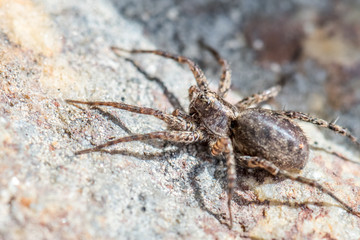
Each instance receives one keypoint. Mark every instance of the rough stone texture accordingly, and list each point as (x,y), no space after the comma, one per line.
(54,50)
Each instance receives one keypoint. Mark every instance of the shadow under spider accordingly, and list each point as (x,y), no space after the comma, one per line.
(113,119)
(148,156)
(336,154)
(259,176)
(118,122)
(169,95)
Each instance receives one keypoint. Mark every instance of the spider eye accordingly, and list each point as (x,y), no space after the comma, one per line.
(202,97)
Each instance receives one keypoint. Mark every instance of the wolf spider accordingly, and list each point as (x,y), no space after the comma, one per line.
(252,137)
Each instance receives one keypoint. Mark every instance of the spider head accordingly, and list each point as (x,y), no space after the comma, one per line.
(211,109)
(201,97)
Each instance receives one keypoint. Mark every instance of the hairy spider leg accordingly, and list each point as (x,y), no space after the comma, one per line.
(256,162)
(224,145)
(174,122)
(225,80)
(171,136)
(320,122)
(258,97)
(197,72)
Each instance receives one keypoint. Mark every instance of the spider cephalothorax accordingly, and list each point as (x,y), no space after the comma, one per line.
(213,112)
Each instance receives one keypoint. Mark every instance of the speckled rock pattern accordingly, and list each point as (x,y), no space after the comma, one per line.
(56,50)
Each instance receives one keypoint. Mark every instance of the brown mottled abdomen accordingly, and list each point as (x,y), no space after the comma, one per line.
(259,132)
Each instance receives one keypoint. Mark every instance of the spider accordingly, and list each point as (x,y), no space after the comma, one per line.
(244,135)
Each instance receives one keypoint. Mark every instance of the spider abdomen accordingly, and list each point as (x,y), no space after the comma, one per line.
(263,133)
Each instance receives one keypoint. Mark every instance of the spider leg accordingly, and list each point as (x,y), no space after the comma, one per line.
(258,97)
(172,136)
(256,162)
(225,79)
(197,72)
(321,123)
(182,114)
(224,145)
(174,122)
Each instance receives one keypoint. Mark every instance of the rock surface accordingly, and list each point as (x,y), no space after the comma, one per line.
(51,51)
